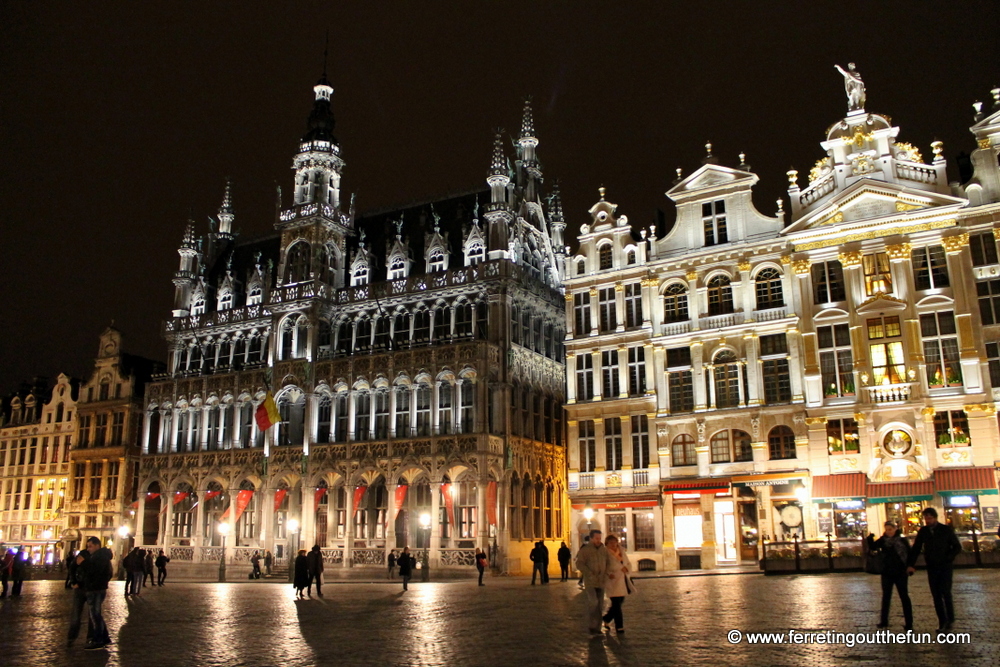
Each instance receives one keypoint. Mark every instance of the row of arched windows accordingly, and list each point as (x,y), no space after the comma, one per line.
(224,352)
(535,509)
(733,446)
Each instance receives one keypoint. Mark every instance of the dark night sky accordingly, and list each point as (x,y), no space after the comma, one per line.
(116,120)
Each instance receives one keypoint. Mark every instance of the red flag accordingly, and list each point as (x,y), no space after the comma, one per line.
(359,493)
(242,500)
(449,502)
(178,497)
(320,492)
(491,502)
(211,494)
(400,497)
(279,497)
(149,496)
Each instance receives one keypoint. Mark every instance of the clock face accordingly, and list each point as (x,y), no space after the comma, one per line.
(791,516)
(109,348)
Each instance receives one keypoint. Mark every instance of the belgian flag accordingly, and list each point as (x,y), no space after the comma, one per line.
(267,414)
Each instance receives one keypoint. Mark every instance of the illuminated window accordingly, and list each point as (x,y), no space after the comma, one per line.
(713,215)
(883,327)
(836,360)
(682,451)
(940,339)
(951,428)
(842,436)
(675,303)
(887,363)
(878,276)
(613,443)
(397,269)
(680,388)
(640,441)
(930,268)
(436,261)
(727,446)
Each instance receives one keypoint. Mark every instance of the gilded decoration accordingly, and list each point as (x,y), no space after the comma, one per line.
(834,219)
(955,243)
(987,408)
(843,464)
(956,456)
(786,259)
(860,137)
(996,233)
(613,479)
(569,296)
(850,258)
(650,282)
(593,291)
(619,287)
(744,266)
(907,151)
(815,421)
(691,275)
(985,144)
(819,169)
(899,251)
(881,230)
(801,266)
(902,206)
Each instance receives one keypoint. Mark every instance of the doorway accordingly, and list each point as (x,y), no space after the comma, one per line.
(725,531)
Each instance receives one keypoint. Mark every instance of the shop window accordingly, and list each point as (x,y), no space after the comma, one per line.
(930,268)
(842,436)
(675,303)
(836,360)
(940,339)
(963,513)
(951,429)
(906,515)
(988,292)
(682,451)
(878,275)
(781,443)
(617,527)
(984,249)
(828,282)
(644,531)
(845,519)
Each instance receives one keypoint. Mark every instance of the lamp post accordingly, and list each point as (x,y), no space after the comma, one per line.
(293,532)
(223,530)
(425,566)
(47,536)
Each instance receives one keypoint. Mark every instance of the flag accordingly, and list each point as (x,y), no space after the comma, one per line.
(449,501)
(279,497)
(491,502)
(267,414)
(401,490)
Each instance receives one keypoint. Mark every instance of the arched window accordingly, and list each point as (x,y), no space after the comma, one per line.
(445,402)
(360,275)
(198,304)
(344,333)
(727,380)
(476,254)
(382,333)
(421,326)
(675,303)
(301,337)
(287,341)
(463,319)
(515,498)
(362,415)
(297,263)
(682,451)
(226,300)
(781,443)
(290,428)
(255,295)
(325,419)
(727,446)
(401,330)
(397,268)
(323,269)
(436,260)
(720,296)
(442,323)
(604,256)
(363,334)
(630,257)
(768,287)
(325,338)
(581,266)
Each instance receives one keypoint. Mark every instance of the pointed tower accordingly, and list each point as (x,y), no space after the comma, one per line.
(557,225)
(527,143)
(498,213)
(318,165)
(186,272)
(226,216)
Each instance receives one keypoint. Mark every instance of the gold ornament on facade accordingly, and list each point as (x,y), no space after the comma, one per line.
(801,266)
(955,243)
(882,230)
(786,259)
(859,417)
(903,207)
(691,275)
(899,250)
(850,258)
(815,421)
(619,287)
(860,137)
(996,233)
(569,296)
(593,291)
(819,169)
(988,408)
(985,144)
(907,151)
(744,266)
(650,282)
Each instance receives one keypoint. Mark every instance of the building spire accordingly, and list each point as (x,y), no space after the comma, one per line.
(527,120)
(498,167)
(226,210)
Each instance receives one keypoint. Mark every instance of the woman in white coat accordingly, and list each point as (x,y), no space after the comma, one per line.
(617,586)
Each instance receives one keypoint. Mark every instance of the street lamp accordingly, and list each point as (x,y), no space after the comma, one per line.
(293,529)
(223,530)
(425,566)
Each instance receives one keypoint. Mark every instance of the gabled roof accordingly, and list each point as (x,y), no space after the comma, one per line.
(708,177)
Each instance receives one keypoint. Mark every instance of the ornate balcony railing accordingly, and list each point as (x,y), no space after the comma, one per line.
(890,393)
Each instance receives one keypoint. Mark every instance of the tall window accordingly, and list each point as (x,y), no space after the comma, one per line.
(727,380)
(588,446)
(85,431)
(713,216)
(988,292)
(887,358)
(442,325)
(613,443)
(640,441)
(382,414)
(609,374)
(768,289)
(774,368)
(842,436)
(341,416)
(401,330)
(682,451)
(362,415)
(297,263)
(984,249)
(584,376)
(581,266)
(325,419)
(930,268)
(727,446)
(421,326)
(636,370)
(951,428)
(878,275)
(781,443)
(112,487)
(117,428)
(828,282)
(835,360)
(382,332)
(79,478)
(463,319)
(467,399)
(581,313)
(363,334)
(423,410)
(606,307)
(644,532)
(680,389)
(633,305)
(96,473)
(604,256)
(941,349)
(720,296)
(675,303)
(445,393)
(993,358)
(101,430)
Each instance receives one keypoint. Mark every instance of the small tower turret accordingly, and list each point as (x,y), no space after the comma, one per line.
(498,214)
(186,272)
(318,165)
(226,216)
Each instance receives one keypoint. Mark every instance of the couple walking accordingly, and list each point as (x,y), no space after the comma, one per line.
(605,571)
(308,569)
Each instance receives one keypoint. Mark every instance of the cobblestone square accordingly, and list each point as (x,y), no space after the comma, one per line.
(673,620)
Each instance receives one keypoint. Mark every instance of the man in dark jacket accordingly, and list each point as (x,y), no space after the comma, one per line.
(75,579)
(95,572)
(894,551)
(940,546)
(19,569)
(564,556)
(161,566)
(540,562)
(316,570)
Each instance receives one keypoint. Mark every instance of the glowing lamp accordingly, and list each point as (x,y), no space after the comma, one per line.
(588,513)
(293,525)
(123,531)
(223,528)
(425,520)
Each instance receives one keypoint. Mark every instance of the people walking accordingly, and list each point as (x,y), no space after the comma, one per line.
(480,565)
(564,555)
(268,561)
(316,570)
(96,571)
(255,562)
(161,568)
(74,576)
(894,551)
(597,567)
(940,545)
(301,573)
(406,564)
(70,569)
(126,565)
(147,567)
(618,585)
(6,565)
(540,557)
(18,569)
(391,560)
(137,567)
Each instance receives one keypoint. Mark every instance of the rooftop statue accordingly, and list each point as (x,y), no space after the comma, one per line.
(854,86)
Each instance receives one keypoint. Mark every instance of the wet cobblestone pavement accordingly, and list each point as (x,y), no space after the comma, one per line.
(681,620)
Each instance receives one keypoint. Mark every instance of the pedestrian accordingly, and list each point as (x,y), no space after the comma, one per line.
(316,570)
(618,585)
(544,551)
(406,563)
(268,561)
(161,568)
(301,573)
(895,553)
(585,539)
(18,569)
(255,561)
(480,565)
(6,565)
(127,566)
(147,567)
(70,569)
(79,595)
(597,567)
(137,569)
(96,571)
(940,546)
(564,555)
(391,560)
(538,558)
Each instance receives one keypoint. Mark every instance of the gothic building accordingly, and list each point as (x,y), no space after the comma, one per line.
(810,373)
(38,427)
(415,355)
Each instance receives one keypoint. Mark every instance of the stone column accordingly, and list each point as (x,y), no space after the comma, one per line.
(199,530)
(482,515)
(595,314)
(435,405)
(746,290)
(435,537)
(174,428)
(959,270)
(232,539)
(649,286)
(571,378)
(656,363)
(794,363)
(708,546)
(140,516)
(620,306)
(694,295)
(266,535)
(623,391)
(755,380)
(307,523)
(390,519)
(392,412)
(572,332)
(597,369)
(670,560)
(146,435)
(701,397)
(351,408)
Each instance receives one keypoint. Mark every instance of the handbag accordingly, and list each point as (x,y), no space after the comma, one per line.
(875,562)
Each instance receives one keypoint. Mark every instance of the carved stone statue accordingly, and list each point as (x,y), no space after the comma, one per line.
(854,87)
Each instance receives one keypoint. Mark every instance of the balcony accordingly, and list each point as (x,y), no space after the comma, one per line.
(720,321)
(890,393)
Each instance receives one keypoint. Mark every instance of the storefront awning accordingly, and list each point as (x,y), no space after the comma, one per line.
(835,488)
(965,481)
(900,492)
(769,479)
(698,485)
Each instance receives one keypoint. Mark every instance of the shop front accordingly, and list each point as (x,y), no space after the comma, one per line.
(703,517)
(900,502)
(840,501)
(633,522)
(780,510)
(964,492)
